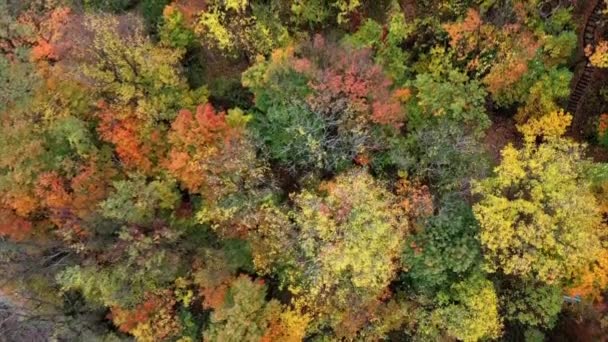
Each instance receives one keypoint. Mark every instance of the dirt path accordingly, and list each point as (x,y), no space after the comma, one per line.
(586,77)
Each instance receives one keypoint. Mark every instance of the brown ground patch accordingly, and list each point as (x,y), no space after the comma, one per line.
(501,132)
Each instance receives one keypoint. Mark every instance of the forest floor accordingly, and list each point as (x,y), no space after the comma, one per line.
(502,132)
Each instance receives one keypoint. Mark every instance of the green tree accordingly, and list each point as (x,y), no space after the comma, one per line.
(17,81)
(137,201)
(387,47)
(445,155)
(446,123)
(446,249)
(139,263)
(451,95)
(152,11)
(532,304)
(301,139)
(109,5)
(174,31)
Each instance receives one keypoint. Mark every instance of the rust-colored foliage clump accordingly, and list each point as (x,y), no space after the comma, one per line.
(136,144)
(152,320)
(346,80)
(50,43)
(68,202)
(13,226)
(204,150)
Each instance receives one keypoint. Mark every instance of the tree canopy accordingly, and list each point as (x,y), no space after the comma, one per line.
(303,170)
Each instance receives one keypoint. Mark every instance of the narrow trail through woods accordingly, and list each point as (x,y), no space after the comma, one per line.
(585,78)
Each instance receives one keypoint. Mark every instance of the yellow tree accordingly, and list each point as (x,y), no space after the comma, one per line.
(538,216)
(239,27)
(349,238)
(549,126)
(472,312)
(130,71)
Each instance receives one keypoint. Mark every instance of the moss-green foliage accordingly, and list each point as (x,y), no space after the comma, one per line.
(445,250)
(533,304)
(137,201)
(17,74)
(174,31)
(72,133)
(300,139)
(453,96)
(559,48)
(444,155)
(152,12)
(17,80)
(320,105)
(141,267)
(544,92)
(315,12)
(446,122)
(275,83)
(387,45)
(310,11)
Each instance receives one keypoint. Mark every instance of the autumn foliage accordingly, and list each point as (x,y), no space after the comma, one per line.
(134,150)
(300,170)
(13,226)
(203,147)
(151,320)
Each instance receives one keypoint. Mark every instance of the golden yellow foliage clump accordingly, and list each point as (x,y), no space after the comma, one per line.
(550,126)
(350,235)
(236,26)
(538,216)
(336,251)
(598,56)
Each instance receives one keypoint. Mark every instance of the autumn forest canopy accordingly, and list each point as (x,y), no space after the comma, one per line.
(303,170)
